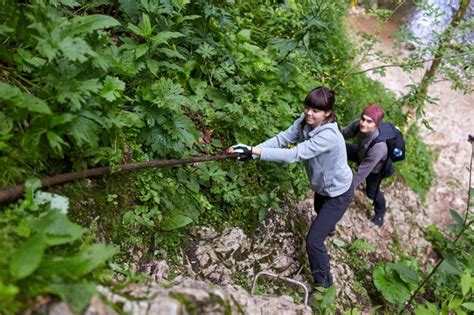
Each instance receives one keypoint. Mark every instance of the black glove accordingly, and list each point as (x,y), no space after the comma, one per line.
(245,151)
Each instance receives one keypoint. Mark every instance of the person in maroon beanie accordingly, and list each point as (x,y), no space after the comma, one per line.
(369,157)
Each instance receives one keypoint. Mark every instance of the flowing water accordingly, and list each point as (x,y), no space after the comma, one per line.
(424,23)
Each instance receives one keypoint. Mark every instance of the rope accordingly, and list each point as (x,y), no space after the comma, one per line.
(14,192)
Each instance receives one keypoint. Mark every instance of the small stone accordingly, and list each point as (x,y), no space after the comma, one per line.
(98,307)
(60,308)
(166,306)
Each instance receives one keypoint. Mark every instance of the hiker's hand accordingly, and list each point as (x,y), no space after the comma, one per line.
(245,151)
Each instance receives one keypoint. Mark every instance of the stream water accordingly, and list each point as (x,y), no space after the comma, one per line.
(435,18)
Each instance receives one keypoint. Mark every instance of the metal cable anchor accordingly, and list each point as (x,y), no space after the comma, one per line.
(266,273)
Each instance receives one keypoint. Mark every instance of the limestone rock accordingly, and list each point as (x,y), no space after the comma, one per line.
(59,308)
(98,307)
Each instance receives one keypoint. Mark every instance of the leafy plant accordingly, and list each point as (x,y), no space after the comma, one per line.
(451,279)
(394,281)
(45,253)
(419,175)
(112,82)
(324,300)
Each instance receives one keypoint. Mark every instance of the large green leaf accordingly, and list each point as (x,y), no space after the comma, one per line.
(61,119)
(27,257)
(466,282)
(385,280)
(175,221)
(427,309)
(469,306)
(171,53)
(79,265)
(406,274)
(5,29)
(146,27)
(451,264)
(16,97)
(75,93)
(30,60)
(56,142)
(90,23)
(76,49)
(69,3)
(8,293)
(124,118)
(93,256)
(457,217)
(163,37)
(85,131)
(112,88)
(56,228)
(6,124)
(78,295)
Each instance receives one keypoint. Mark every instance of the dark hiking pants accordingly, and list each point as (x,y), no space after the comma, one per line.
(372,183)
(372,189)
(329,212)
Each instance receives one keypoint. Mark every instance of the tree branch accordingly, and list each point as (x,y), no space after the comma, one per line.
(409,64)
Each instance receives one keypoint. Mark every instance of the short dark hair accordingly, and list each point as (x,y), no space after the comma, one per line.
(321,98)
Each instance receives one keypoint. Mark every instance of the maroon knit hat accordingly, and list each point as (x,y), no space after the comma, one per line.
(375,112)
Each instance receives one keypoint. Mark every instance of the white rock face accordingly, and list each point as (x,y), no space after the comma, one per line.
(188,296)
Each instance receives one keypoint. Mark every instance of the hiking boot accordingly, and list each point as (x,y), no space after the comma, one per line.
(377,220)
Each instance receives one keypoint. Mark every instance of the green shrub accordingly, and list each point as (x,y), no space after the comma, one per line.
(43,252)
(111,82)
(417,170)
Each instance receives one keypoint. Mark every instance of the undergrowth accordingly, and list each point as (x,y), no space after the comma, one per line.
(88,84)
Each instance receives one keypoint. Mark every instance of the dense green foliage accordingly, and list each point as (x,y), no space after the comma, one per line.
(419,176)
(88,83)
(451,287)
(169,80)
(44,252)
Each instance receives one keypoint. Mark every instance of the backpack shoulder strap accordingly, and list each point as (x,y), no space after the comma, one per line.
(386,132)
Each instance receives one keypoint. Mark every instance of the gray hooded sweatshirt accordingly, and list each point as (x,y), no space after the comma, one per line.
(322,150)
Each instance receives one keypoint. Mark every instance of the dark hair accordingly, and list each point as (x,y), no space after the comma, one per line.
(322,98)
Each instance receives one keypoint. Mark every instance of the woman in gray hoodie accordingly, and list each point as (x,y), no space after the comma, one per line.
(321,147)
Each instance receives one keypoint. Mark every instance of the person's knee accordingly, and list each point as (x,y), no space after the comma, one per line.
(315,243)
(370,194)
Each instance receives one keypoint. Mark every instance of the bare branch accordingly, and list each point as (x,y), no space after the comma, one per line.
(409,64)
